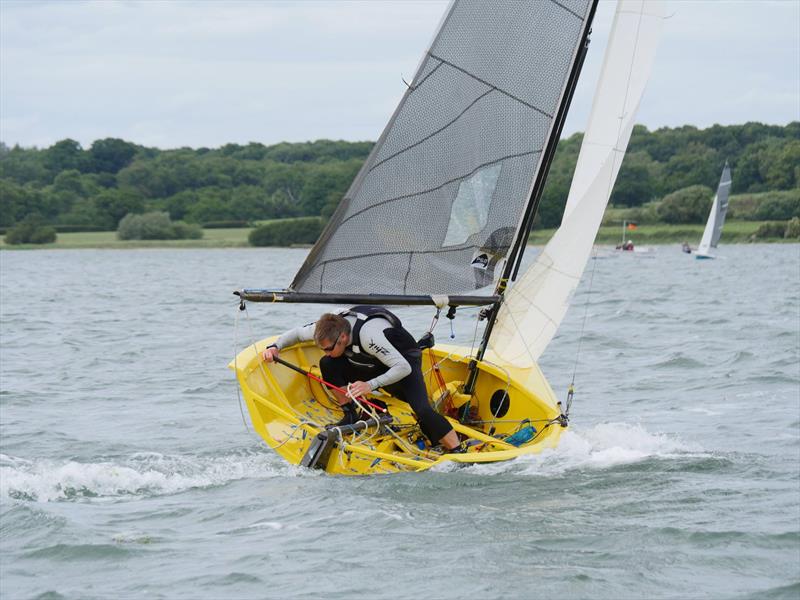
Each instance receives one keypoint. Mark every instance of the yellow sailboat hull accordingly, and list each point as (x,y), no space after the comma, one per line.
(289,411)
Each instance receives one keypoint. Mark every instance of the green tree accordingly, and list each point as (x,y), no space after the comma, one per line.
(64,155)
(84,213)
(286,232)
(779,208)
(212,206)
(110,155)
(155,226)
(31,230)
(69,181)
(793,229)
(687,205)
(112,205)
(636,182)
(17,201)
(24,166)
(695,164)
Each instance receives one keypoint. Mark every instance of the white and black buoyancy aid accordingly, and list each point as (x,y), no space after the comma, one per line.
(396,335)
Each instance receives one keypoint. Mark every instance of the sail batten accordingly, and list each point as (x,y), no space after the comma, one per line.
(439,201)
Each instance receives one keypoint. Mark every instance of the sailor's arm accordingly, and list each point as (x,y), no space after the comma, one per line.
(289,338)
(374,342)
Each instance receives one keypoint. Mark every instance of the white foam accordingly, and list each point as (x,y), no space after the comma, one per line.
(603,446)
(46,480)
(274,525)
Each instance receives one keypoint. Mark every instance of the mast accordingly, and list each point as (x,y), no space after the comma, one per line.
(514,258)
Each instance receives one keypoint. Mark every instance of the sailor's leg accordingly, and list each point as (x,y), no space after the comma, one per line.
(335,371)
(411,389)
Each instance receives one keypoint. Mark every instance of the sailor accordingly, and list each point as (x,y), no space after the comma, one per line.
(368,348)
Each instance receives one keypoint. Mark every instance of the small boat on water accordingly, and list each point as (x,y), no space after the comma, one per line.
(716,217)
(439,216)
(628,246)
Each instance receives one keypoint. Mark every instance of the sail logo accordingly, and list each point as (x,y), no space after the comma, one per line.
(481,261)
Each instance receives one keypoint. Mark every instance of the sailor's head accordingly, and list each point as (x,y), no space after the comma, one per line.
(332,334)
(630,242)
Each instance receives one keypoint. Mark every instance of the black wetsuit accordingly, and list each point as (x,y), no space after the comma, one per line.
(383,354)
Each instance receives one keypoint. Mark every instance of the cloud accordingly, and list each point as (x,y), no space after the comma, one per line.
(208,73)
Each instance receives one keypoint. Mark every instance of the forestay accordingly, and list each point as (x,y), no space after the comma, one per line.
(716,218)
(439,200)
(537,303)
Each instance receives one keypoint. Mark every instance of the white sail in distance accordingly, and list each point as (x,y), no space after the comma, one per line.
(536,304)
(716,218)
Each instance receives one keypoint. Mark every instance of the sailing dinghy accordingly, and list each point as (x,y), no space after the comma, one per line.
(439,215)
(716,218)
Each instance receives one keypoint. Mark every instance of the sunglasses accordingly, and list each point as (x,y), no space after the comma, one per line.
(333,345)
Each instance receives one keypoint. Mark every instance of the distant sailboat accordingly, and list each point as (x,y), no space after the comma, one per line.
(627,246)
(716,218)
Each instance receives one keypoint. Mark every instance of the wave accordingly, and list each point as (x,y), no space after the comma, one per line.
(604,446)
(141,474)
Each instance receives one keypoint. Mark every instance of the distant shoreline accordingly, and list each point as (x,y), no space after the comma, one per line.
(735,232)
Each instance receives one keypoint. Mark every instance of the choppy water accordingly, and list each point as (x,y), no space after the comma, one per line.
(126,470)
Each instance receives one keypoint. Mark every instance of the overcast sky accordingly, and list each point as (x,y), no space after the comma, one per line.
(206,73)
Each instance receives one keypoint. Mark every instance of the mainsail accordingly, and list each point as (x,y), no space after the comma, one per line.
(443,195)
(716,218)
(536,304)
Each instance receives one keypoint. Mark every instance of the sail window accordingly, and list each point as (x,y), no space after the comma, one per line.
(470,209)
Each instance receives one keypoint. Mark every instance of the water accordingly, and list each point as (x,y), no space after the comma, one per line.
(126,470)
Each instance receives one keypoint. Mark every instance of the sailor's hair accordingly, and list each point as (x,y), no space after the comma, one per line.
(329,327)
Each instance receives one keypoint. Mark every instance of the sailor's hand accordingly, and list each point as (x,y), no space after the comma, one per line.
(359,388)
(270,354)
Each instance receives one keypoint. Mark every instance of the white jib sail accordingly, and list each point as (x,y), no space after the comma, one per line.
(536,304)
(716,218)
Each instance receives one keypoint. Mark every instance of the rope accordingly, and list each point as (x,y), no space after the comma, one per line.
(571,388)
(263,371)
(236,369)
(585,315)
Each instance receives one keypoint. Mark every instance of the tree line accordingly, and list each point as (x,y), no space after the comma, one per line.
(67,186)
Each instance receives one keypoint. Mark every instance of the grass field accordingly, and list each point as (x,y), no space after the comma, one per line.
(734,232)
(212,238)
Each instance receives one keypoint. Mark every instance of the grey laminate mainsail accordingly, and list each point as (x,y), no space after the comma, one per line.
(441,198)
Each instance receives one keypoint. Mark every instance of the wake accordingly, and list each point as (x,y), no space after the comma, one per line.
(141,474)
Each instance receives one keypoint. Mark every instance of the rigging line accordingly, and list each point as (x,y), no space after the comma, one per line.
(236,367)
(501,90)
(291,434)
(474,336)
(438,187)
(585,315)
(434,133)
(263,371)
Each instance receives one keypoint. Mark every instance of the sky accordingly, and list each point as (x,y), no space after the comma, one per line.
(206,73)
